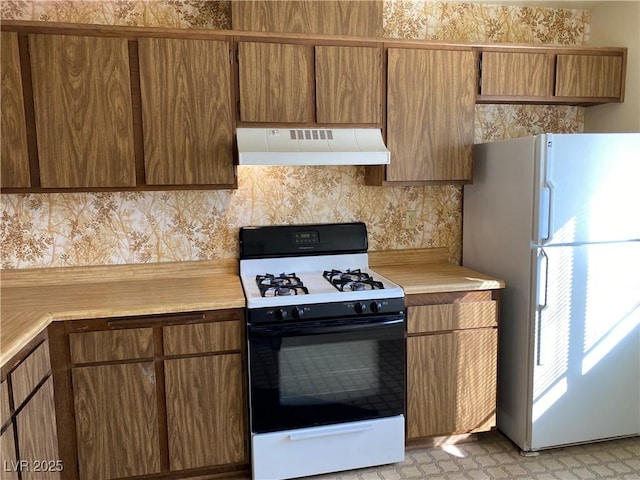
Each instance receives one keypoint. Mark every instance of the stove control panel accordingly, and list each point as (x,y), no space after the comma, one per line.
(319,311)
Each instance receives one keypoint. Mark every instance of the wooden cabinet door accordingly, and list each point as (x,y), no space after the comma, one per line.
(37,435)
(358,18)
(589,76)
(116,412)
(186,111)
(83,113)
(430,109)
(8,458)
(512,74)
(205,411)
(348,85)
(14,154)
(276,82)
(451,383)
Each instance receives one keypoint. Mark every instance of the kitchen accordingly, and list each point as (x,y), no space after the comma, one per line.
(139,227)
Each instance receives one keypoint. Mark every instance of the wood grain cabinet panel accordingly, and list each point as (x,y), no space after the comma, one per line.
(14,153)
(202,338)
(30,373)
(430,109)
(517,74)
(8,456)
(348,84)
(589,76)
(452,383)
(37,435)
(5,407)
(205,411)
(116,414)
(83,112)
(113,345)
(362,18)
(275,82)
(451,316)
(186,111)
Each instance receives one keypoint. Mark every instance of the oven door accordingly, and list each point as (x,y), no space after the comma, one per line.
(312,373)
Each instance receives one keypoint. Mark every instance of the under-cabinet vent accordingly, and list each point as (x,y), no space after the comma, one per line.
(311,146)
(311,134)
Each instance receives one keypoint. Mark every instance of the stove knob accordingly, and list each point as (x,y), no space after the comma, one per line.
(297,312)
(281,314)
(361,307)
(375,307)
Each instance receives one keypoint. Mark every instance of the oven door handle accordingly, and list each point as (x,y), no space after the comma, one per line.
(313,328)
(331,431)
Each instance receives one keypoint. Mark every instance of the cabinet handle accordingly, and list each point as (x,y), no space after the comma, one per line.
(146,321)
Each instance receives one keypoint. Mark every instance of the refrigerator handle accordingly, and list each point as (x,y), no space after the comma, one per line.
(545,213)
(543,266)
(541,299)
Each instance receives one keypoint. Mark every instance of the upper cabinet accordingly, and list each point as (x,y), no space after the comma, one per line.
(275,82)
(551,75)
(83,113)
(15,155)
(517,74)
(303,84)
(120,108)
(593,76)
(186,111)
(430,109)
(362,18)
(348,84)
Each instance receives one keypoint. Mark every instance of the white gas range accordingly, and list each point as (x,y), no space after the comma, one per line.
(326,351)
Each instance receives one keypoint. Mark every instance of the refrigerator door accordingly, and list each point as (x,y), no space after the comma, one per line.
(588,188)
(586,378)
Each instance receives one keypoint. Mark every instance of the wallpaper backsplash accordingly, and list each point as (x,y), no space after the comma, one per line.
(52,230)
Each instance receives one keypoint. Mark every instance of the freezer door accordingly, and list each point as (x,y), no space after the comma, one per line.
(586,377)
(588,188)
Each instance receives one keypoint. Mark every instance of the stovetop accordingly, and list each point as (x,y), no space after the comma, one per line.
(314,279)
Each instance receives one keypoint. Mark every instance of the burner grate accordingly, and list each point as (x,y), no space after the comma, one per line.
(271,285)
(352,280)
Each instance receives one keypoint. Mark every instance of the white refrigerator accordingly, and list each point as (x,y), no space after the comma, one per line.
(557,217)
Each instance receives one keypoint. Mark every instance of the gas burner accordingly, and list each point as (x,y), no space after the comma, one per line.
(352,280)
(280,285)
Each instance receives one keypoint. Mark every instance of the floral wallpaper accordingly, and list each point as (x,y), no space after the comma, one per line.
(51,230)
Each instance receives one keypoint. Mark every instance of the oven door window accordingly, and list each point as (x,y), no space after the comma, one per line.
(320,373)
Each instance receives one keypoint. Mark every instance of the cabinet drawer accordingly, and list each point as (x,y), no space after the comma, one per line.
(5,411)
(29,373)
(202,337)
(105,346)
(452,316)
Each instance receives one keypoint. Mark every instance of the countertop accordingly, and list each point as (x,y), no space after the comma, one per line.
(32,299)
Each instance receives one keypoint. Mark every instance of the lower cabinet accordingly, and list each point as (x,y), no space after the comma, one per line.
(116,409)
(153,396)
(204,394)
(204,411)
(451,363)
(8,454)
(29,438)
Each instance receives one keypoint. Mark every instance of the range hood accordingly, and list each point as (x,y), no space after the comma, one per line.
(311,146)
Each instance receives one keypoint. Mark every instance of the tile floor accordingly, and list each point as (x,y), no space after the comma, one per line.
(493,456)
